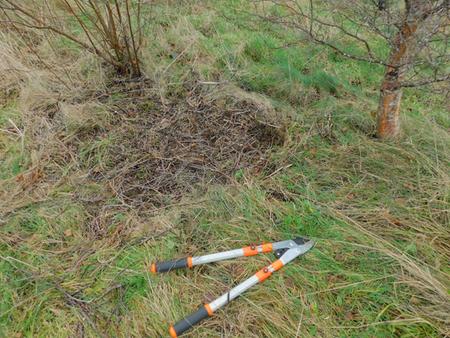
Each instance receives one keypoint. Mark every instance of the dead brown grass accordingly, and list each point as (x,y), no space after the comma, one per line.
(201,137)
(150,150)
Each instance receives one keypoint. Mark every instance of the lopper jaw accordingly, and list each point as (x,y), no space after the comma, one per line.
(299,243)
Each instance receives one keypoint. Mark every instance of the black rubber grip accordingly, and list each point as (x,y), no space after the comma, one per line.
(170,265)
(188,322)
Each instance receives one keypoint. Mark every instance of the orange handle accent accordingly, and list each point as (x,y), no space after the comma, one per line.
(266,273)
(253,249)
(172,332)
(277,265)
(189,262)
(263,274)
(266,247)
(250,250)
(153,268)
(209,310)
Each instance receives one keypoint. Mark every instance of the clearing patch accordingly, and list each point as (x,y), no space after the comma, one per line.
(151,149)
(165,148)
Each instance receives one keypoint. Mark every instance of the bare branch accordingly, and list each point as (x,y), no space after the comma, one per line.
(424,82)
(108,35)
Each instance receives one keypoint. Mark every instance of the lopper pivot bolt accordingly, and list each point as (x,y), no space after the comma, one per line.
(286,251)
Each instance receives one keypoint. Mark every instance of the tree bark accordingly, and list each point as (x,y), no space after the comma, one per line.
(388,122)
(388,116)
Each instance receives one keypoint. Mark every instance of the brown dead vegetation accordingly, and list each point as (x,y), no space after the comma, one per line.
(152,150)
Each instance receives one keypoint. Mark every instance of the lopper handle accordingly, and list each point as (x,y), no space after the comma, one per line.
(185,324)
(167,266)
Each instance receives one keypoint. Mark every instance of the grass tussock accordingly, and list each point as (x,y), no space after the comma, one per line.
(99,176)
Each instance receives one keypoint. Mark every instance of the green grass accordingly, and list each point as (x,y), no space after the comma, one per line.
(74,260)
(12,159)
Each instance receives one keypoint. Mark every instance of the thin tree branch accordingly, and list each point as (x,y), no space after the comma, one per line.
(425,82)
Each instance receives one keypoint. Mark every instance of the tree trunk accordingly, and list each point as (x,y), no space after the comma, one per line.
(388,116)
(388,119)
